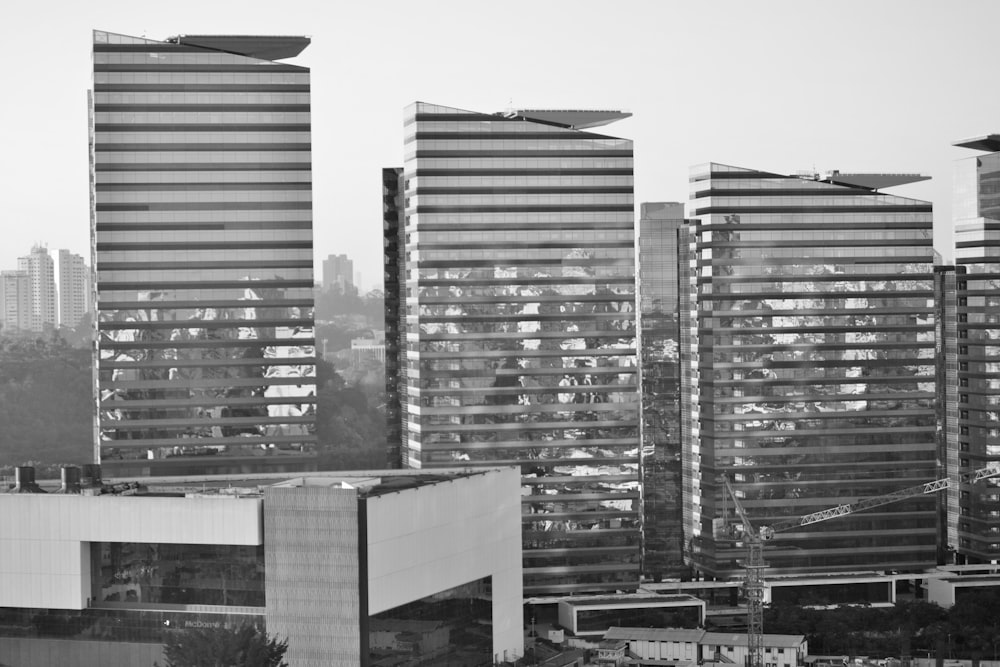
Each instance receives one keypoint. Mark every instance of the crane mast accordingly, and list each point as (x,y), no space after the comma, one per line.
(753,581)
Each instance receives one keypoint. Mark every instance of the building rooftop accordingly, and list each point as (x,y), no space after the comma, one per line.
(369,483)
(740,639)
(986,142)
(656,634)
(264,47)
(629,600)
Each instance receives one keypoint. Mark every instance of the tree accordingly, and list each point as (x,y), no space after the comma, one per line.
(245,646)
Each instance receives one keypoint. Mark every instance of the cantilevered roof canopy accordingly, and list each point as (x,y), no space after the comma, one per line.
(874,181)
(987,142)
(578,119)
(263,47)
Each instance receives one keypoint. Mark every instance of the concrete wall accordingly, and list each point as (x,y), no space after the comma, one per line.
(44,542)
(437,537)
(311,560)
(33,652)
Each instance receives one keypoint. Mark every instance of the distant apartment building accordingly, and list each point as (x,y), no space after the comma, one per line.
(74,289)
(41,276)
(662,284)
(813,366)
(338,270)
(975,402)
(519,340)
(202,223)
(15,302)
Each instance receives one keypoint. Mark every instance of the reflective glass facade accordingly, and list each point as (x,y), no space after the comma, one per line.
(202,248)
(520,348)
(662,280)
(118,625)
(202,574)
(814,366)
(451,627)
(977,442)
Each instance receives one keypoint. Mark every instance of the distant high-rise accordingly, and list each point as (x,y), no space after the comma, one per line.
(202,224)
(519,334)
(15,302)
(814,366)
(662,274)
(975,441)
(41,274)
(74,288)
(338,270)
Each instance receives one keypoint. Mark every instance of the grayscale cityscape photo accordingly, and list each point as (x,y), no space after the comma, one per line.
(466,334)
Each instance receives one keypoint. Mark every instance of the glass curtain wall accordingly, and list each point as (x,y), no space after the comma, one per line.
(977,256)
(520,340)
(202,246)
(815,359)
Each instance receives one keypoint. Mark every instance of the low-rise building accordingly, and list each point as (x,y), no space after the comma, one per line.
(678,647)
(352,568)
(592,615)
(729,648)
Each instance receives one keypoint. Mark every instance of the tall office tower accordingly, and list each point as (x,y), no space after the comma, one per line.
(662,282)
(948,432)
(41,273)
(202,225)
(520,326)
(977,257)
(74,288)
(338,270)
(815,366)
(395,314)
(15,302)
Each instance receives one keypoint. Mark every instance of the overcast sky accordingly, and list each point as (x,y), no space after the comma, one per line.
(855,85)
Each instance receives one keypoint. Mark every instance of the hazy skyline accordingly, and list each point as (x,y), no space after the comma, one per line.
(779,86)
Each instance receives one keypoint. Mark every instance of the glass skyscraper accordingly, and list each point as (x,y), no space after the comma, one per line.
(202,247)
(519,335)
(663,282)
(814,366)
(977,257)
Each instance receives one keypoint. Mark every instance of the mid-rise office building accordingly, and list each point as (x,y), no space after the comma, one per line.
(202,238)
(74,289)
(42,278)
(975,441)
(359,568)
(15,302)
(519,334)
(814,366)
(662,283)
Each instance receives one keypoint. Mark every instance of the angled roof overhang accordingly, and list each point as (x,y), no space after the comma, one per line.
(577,119)
(987,142)
(874,181)
(262,47)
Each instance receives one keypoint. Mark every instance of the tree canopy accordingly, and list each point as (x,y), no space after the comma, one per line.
(245,646)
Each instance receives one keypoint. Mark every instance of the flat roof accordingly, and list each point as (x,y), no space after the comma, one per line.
(630,600)
(656,634)
(740,639)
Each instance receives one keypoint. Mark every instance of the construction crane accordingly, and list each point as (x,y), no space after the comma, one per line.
(753,584)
